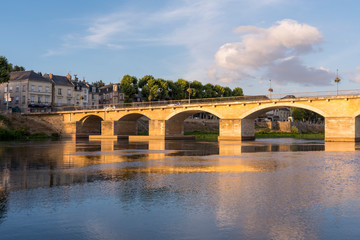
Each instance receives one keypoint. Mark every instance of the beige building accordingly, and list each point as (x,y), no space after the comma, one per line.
(26,91)
(111,94)
(63,90)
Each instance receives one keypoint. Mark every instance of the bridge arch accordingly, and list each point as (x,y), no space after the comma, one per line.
(192,111)
(89,125)
(253,113)
(175,122)
(132,124)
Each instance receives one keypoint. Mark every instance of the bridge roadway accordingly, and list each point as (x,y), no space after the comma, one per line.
(236,117)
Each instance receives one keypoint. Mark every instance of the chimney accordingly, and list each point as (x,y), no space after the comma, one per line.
(50,75)
(68,76)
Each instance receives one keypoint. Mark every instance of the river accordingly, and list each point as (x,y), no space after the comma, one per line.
(265,189)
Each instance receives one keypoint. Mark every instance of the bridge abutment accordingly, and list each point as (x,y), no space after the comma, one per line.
(237,129)
(342,129)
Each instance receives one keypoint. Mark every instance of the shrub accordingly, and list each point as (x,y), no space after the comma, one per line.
(294,129)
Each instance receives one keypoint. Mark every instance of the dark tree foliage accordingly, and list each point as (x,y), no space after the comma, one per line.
(98,84)
(5,70)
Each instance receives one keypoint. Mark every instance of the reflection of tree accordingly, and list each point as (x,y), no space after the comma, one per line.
(4,195)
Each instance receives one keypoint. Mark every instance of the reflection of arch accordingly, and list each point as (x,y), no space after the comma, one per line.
(131,124)
(253,113)
(89,125)
(175,122)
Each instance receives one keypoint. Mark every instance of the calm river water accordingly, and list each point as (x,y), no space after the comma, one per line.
(266,189)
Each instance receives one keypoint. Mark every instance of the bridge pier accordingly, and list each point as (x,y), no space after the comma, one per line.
(342,129)
(237,129)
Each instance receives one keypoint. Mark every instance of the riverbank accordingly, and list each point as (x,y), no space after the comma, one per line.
(18,127)
(200,135)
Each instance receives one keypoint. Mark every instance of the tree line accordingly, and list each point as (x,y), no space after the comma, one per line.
(153,89)
(6,68)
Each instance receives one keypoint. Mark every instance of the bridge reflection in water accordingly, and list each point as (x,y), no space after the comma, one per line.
(268,189)
(61,164)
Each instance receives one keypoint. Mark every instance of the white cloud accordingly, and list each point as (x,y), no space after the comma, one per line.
(274,50)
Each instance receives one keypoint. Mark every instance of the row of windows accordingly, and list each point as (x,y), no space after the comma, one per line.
(32,99)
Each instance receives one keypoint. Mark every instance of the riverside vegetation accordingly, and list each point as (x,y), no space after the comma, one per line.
(17,127)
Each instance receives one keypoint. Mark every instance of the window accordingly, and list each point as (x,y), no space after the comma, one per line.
(59,91)
(24,88)
(59,101)
(47,89)
(39,99)
(77,97)
(93,89)
(46,100)
(32,99)
(69,102)
(69,92)
(85,91)
(23,100)
(10,89)
(40,88)
(16,99)
(85,97)
(121,96)
(6,89)
(32,88)
(93,97)
(17,88)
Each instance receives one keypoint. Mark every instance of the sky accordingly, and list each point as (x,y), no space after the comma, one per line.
(299,45)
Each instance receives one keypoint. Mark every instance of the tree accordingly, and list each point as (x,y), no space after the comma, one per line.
(17,68)
(5,70)
(237,92)
(98,84)
(129,87)
(227,92)
(209,91)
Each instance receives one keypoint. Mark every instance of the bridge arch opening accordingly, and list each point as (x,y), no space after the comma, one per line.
(191,121)
(89,125)
(132,124)
(283,118)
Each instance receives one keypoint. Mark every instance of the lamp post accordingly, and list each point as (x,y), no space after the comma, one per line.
(337,80)
(270,89)
(189,91)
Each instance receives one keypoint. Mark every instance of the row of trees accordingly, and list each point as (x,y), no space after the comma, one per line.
(6,68)
(159,89)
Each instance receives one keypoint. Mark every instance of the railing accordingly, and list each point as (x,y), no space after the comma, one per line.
(236,99)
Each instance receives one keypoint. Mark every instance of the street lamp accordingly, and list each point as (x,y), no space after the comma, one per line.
(270,89)
(337,80)
(189,91)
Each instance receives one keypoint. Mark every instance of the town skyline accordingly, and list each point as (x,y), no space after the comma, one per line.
(298,45)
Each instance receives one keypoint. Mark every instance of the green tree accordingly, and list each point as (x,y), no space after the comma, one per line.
(129,87)
(227,92)
(5,70)
(209,91)
(98,84)
(197,89)
(17,68)
(237,92)
(298,114)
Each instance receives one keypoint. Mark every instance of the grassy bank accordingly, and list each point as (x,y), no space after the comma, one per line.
(312,136)
(9,132)
(199,135)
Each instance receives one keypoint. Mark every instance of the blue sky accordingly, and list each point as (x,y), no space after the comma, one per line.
(297,44)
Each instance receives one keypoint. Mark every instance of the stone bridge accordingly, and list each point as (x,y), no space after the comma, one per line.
(236,116)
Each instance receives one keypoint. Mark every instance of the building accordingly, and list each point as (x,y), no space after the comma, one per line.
(111,94)
(281,114)
(93,95)
(81,93)
(63,90)
(26,91)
